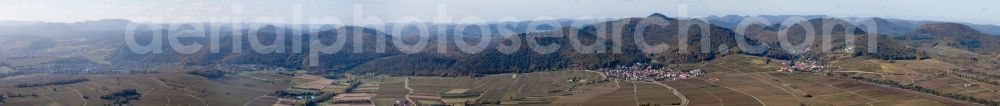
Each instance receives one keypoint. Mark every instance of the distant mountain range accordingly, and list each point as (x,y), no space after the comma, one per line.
(31,28)
(34,35)
(888,25)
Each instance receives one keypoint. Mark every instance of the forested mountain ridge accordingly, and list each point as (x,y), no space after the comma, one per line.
(953,35)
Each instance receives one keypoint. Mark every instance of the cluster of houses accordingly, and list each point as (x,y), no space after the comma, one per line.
(803,66)
(646,72)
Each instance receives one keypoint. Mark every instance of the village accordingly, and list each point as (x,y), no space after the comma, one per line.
(803,66)
(647,72)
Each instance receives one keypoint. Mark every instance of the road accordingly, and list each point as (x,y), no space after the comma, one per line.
(684,100)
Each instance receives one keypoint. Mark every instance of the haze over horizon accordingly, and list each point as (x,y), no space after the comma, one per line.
(977,12)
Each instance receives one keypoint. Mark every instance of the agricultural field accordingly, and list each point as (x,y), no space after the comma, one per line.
(739,81)
(728,83)
(165,88)
(524,88)
(390,90)
(796,89)
(701,92)
(930,73)
(742,64)
(907,67)
(623,95)
(539,88)
(82,93)
(225,91)
(587,93)
(757,86)
(507,87)
(263,101)
(821,90)
(637,93)
(950,83)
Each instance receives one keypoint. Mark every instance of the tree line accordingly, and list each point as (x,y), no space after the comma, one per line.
(59,82)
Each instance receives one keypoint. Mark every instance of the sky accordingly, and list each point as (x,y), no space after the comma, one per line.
(970,11)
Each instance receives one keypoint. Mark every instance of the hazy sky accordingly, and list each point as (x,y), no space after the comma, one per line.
(972,11)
